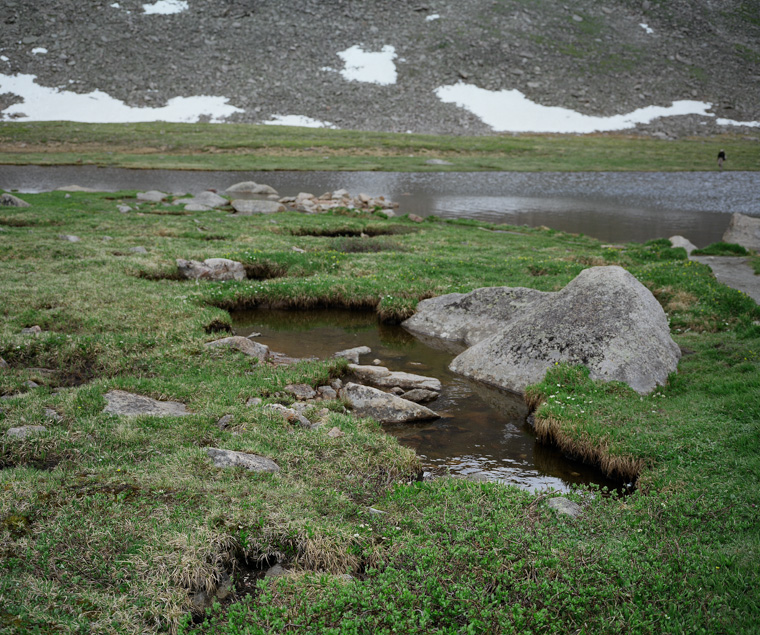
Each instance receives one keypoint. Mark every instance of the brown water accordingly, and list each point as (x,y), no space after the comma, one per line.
(481,433)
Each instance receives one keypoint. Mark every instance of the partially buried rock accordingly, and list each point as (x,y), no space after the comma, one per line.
(152,196)
(565,506)
(242,344)
(31,330)
(224,421)
(209,199)
(604,319)
(69,238)
(3,364)
(383,407)
(327,392)
(128,404)
(289,414)
(22,432)
(138,250)
(124,209)
(215,269)
(743,230)
(335,433)
(246,207)
(251,462)
(8,200)
(302,392)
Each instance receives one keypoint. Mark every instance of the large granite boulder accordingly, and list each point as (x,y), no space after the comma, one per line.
(470,317)
(211,269)
(382,406)
(604,319)
(743,230)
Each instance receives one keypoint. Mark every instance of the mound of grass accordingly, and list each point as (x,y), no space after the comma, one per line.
(721,249)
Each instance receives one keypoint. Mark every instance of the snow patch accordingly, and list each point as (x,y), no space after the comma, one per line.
(733,122)
(115,5)
(432,17)
(646,28)
(298,120)
(165,7)
(364,66)
(4,58)
(40,50)
(51,104)
(511,111)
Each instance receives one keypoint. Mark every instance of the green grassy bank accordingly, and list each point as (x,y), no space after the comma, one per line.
(247,147)
(113,525)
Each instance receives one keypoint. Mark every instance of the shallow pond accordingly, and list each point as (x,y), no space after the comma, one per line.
(481,431)
(611,206)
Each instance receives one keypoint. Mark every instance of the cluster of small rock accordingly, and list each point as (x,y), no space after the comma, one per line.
(248,198)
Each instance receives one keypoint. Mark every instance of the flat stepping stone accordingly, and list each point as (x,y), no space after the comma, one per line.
(22,432)
(128,404)
(251,462)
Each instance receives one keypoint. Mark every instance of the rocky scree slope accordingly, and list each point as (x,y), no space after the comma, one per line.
(270,57)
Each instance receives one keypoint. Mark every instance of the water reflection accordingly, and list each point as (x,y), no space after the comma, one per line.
(482,431)
(611,206)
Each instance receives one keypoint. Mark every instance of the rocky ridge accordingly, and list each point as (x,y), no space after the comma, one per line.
(273,58)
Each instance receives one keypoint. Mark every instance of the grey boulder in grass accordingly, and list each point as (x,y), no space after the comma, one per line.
(215,269)
(251,462)
(128,404)
(242,344)
(604,319)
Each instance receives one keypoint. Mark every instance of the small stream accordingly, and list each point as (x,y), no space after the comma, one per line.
(482,432)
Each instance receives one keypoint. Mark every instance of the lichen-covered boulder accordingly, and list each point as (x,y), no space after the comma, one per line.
(604,319)
(242,344)
(470,317)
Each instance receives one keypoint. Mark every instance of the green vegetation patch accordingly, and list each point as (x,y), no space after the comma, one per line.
(721,249)
(111,524)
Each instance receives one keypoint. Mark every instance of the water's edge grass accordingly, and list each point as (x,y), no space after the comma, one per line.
(114,525)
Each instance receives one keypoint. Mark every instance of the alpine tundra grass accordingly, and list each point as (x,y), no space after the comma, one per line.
(116,525)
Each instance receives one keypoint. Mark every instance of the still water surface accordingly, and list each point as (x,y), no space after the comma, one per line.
(611,206)
(481,431)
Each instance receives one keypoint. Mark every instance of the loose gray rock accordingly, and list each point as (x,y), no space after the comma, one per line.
(470,317)
(197,207)
(383,378)
(254,401)
(250,187)
(383,407)
(31,330)
(69,238)
(680,241)
(277,571)
(302,392)
(604,319)
(22,432)
(152,196)
(8,200)
(565,506)
(415,219)
(128,404)
(52,414)
(215,269)
(124,209)
(352,354)
(242,344)
(335,433)
(138,250)
(31,384)
(209,199)
(247,207)
(420,395)
(289,414)
(251,462)
(3,364)
(743,230)
(224,421)
(327,392)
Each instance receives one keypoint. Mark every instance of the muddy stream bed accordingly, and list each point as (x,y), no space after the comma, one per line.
(482,432)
